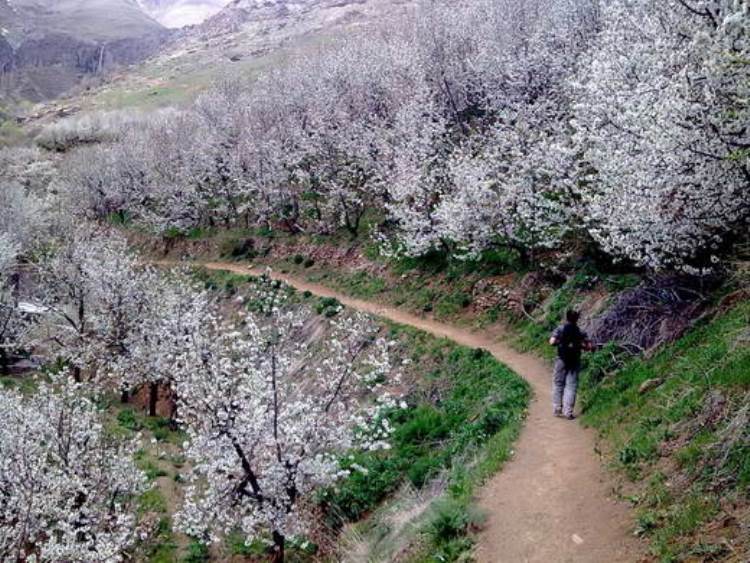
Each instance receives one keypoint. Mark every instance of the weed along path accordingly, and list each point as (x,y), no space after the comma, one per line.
(551,503)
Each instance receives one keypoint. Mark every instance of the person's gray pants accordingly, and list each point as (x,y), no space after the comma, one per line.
(565,388)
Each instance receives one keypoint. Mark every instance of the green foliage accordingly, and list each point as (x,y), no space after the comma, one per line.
(199,233)
(162,547)
(24,384)
(161,428)
(173,233)
(452,304)
(197,552)
(237,545)
(501,260)
(482,398)
(363,284)
(215,280)
(122,218)
(128,419)
(10,133)
(448,529)
(148,466)
(328,307)
(152,501)
(239,249)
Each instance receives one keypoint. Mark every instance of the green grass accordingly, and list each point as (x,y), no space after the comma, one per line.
(161,428)
(152,501)
(148,465)
(706,380)
(11,134)
(197,552)
(363,285)
(467,433)
(162,548)
(24,384)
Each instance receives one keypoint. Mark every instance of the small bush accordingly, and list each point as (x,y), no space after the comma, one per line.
(162,428)
(328,307)
(151,470)
(450,521)
(162,548)
(237,545)
(197,552)
(243,249)
(129,420)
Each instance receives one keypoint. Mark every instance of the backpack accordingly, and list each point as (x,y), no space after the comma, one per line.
(570,345)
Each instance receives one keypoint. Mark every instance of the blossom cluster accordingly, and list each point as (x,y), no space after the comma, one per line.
(68,491)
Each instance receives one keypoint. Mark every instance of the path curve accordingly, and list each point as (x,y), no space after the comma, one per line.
(552,503)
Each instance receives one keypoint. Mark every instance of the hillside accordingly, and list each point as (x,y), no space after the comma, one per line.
(86,20)
(55,44)
(244,39)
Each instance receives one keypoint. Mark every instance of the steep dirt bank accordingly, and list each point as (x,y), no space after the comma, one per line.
(553,502)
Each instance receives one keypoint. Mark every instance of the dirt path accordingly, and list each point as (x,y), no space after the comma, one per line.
(552,503)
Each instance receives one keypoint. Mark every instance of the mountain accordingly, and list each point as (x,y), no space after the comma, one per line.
(243,39)
(181,13)
(47,46)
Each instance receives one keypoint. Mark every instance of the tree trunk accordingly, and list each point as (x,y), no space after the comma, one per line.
(153,396)
(278,547)
(4,361)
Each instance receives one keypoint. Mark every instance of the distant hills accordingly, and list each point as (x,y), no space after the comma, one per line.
(48,46)
(242,40)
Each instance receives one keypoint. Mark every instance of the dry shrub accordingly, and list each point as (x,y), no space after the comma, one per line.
(658,311)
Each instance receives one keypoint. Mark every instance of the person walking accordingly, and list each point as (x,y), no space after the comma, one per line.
(570,341)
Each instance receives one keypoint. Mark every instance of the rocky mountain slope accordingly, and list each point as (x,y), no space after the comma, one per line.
(180,13)
(241,40)
(47,47)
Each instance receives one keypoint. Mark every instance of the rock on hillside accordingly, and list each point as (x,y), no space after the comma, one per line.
(48,45)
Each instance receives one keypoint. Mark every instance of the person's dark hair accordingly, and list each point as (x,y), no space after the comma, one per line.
(572,316)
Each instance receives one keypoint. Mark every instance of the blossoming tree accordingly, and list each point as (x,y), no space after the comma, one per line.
(67,490)
(268,413)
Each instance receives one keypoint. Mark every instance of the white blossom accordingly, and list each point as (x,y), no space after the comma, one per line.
(269,411)
(68,491)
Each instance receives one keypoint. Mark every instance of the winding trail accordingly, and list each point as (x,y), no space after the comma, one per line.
(552,503)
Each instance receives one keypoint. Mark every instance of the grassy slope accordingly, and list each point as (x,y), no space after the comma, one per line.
(679,446)
(687,441)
